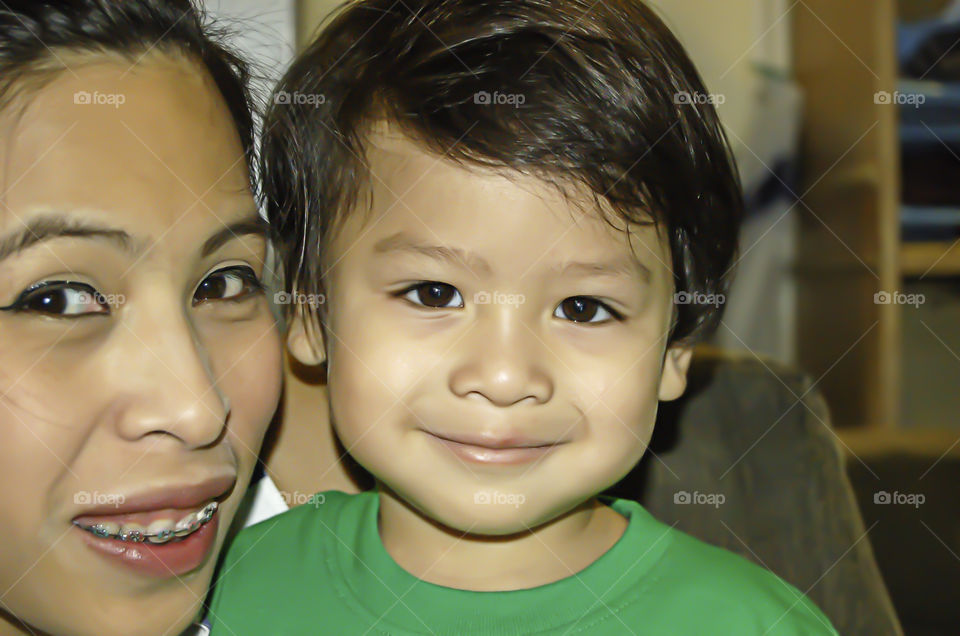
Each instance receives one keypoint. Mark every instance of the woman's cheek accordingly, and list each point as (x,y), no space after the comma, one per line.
(251,378)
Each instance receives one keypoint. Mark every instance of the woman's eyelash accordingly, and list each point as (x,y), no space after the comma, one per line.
(90,295)
(244,272)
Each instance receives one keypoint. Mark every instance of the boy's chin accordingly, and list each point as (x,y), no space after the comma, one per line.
(492,514)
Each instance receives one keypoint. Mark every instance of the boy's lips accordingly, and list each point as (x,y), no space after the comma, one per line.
(505,450)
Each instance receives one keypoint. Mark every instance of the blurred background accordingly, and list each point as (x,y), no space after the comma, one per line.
(845,120)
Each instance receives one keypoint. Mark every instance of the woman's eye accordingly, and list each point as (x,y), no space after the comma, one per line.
(584,309)
(231,283)
(435,295)
(62,299)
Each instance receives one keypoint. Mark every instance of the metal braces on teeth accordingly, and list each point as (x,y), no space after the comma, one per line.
(163,536)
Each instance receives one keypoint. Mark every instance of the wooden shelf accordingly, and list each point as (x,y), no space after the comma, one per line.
(923,442)
(930,258)
(849,243)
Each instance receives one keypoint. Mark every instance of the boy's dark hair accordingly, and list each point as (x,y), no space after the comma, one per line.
(34,36)
(610,101)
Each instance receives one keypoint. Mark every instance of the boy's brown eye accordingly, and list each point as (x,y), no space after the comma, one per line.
(434,295)
(584,309)
(580,309)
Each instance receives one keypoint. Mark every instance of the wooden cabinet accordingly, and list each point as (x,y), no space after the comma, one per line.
(849,247)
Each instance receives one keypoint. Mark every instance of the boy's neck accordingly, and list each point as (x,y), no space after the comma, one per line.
(447,557)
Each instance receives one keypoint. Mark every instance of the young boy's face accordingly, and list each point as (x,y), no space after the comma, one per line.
(503,391)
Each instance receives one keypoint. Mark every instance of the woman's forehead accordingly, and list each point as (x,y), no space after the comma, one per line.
(150,144)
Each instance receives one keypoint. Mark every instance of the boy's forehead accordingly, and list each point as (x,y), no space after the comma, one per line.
(436,200)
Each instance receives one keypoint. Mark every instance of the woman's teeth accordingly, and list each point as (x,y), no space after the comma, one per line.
(159,531)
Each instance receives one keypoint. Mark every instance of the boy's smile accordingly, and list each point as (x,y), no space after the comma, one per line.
(486,337)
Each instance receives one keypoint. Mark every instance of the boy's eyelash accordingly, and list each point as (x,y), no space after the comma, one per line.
(613,312)
(616,315)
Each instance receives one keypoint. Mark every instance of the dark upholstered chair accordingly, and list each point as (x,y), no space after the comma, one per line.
(759,434)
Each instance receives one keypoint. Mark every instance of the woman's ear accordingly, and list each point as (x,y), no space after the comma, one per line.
(673,377)
(305,345)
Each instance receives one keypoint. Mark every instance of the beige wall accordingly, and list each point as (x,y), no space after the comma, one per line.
(723,37)
(310,13)
(727,40)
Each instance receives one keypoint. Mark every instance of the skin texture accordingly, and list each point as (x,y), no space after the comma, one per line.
(402,373)
(175,385)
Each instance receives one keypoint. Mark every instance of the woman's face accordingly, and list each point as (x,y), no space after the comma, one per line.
(139,361)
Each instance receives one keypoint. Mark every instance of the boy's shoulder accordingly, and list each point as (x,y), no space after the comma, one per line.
(657,575)
(736,592)
(297,527)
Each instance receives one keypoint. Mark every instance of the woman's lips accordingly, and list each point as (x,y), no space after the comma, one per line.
(506,452)
(159,560)
(161,553)
(179,497)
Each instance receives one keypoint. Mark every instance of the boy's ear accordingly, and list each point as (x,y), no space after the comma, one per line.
(673,379)
(307,350)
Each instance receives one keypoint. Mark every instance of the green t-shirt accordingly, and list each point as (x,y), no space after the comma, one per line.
(322,569)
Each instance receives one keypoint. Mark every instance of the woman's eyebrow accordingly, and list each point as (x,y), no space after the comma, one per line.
(48,227)
(253,224)
(52,226)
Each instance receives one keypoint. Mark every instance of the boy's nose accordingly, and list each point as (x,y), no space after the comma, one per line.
(504,363)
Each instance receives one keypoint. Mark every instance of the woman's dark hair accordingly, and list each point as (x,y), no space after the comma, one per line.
(578,93)
(37,35)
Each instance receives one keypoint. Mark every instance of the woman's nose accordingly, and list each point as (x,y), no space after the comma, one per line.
(168,386)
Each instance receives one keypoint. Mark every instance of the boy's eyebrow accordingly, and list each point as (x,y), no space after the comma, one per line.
(620,267)
(401,242)
(52,226)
